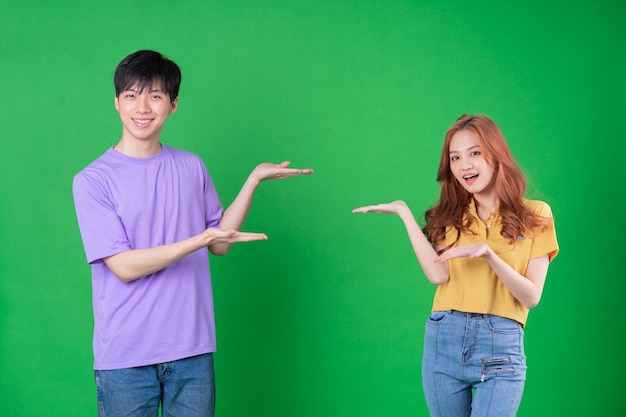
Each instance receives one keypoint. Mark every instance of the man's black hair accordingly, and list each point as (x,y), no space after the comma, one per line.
(144,68)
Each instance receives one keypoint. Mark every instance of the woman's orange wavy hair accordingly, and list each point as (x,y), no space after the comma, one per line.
(509,182)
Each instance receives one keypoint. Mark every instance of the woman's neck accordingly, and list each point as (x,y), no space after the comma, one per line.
(485,204)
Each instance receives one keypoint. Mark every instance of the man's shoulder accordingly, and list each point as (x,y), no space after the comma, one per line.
(182,154)
(95,166)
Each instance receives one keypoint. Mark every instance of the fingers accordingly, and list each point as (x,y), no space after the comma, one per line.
(267,171)
(466,251)
(292,172)
(377,208)
(234,236)
(248,237)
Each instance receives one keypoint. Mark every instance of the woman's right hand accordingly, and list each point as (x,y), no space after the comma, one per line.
(395,207)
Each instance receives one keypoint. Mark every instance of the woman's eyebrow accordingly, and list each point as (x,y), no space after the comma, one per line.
(470,148)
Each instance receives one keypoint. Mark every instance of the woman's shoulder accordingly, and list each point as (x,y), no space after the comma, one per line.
(538,207)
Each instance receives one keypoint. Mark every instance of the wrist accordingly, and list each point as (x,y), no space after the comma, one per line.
(489,253)
(253,181)
(203,240)
(405,212)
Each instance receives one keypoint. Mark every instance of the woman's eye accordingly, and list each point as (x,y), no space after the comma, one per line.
(454,158)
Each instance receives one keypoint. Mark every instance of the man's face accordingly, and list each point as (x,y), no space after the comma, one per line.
(144,112)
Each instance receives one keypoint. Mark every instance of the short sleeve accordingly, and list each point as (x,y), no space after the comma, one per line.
(212,204)
(101,229)
(544,240)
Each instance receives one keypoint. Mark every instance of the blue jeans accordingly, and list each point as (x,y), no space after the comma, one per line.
(184,388)
(473,365)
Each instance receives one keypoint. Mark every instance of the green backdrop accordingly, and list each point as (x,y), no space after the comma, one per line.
(326,317)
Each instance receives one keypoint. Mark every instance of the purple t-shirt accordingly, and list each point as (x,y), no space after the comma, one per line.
(127,203)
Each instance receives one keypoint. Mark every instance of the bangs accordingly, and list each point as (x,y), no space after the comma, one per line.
(142,83)
(147,70)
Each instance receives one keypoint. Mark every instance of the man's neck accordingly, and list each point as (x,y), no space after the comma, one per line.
(138,149)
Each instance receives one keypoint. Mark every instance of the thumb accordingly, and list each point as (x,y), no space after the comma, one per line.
(226,233)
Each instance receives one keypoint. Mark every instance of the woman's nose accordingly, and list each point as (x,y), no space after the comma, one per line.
(466,164)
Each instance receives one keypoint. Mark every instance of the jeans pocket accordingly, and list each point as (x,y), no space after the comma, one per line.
(437,317)
(502,324)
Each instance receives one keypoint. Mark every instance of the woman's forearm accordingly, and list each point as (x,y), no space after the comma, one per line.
(435,273)
(527,289)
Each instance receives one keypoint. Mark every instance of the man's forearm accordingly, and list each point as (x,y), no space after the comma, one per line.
(136,263)
(235,215)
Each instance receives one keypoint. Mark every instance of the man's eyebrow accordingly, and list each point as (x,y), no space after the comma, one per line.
(136,89)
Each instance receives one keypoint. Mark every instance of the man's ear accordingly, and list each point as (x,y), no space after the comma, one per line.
(117,104)
(174,105)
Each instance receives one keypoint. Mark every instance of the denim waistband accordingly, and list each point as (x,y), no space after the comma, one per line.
(467,314)
(475,315)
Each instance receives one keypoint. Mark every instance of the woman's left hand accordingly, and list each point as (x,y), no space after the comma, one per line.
(466,251)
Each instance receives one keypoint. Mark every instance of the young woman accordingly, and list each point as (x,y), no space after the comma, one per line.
(487,249)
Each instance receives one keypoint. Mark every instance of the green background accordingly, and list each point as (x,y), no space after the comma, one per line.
(326,317)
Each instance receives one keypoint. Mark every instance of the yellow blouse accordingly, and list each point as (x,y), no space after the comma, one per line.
(473,286)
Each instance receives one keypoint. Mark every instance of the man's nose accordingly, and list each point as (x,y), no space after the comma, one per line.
(143,105)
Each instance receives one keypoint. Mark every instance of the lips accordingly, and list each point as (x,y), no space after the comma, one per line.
(470,178)
(142,122)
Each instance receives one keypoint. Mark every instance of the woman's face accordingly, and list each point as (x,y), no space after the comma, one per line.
(468,163)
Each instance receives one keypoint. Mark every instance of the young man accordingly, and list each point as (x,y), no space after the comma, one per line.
(148,215)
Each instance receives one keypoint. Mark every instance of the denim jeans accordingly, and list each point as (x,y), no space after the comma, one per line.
(473,365)
(184,388)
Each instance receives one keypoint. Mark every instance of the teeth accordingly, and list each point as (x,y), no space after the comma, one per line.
(467,177)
